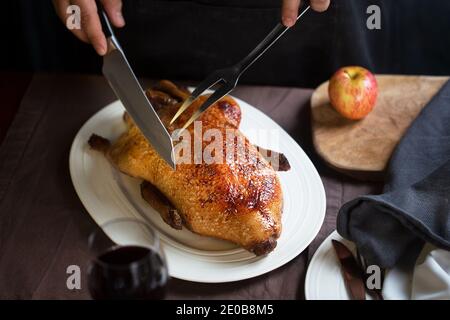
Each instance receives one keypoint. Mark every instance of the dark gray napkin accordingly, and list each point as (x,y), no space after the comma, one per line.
(414,207)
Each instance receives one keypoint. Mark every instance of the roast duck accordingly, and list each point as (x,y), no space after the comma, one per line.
(240,201)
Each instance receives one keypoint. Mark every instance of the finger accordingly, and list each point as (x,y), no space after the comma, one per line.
(91,26)
(320,5)
(61,10)
(81,35)
(289,12)
(113,9)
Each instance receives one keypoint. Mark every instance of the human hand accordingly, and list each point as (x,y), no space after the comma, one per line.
(289,9)
(91,28)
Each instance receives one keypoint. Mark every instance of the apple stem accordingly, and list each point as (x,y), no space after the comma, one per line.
(349,75)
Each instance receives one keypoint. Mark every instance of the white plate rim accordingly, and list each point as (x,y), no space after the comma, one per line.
(315,266)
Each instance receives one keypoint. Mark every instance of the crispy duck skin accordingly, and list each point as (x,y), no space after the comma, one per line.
(239,201)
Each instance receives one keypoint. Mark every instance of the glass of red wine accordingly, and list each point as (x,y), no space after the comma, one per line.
(127,262)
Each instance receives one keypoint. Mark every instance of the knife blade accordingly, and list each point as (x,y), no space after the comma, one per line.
(353,277)
(127,88)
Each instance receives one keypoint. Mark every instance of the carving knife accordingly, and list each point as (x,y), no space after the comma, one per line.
(125,85)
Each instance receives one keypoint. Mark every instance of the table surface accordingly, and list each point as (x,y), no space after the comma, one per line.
(44,227)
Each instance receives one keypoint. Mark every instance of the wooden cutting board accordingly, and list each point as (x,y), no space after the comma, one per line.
(363,148)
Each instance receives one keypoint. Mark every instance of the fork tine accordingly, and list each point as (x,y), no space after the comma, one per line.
(210,81)
(183,107)
(217,95)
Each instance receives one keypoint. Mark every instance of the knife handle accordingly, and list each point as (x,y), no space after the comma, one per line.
(106,25)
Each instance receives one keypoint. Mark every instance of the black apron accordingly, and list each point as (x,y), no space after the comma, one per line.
(185,40)
(189,39)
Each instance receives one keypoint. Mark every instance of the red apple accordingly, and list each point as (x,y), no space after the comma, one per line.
(353,92)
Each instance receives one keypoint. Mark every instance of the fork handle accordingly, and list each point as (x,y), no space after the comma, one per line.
(265,44)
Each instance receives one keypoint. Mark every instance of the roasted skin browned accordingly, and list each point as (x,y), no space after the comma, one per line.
(237,201)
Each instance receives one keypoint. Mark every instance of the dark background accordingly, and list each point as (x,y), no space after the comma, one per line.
(185,40)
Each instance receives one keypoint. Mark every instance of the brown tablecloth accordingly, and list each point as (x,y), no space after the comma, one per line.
(44,227)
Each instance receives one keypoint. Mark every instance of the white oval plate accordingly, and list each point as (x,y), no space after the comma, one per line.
(107,194)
